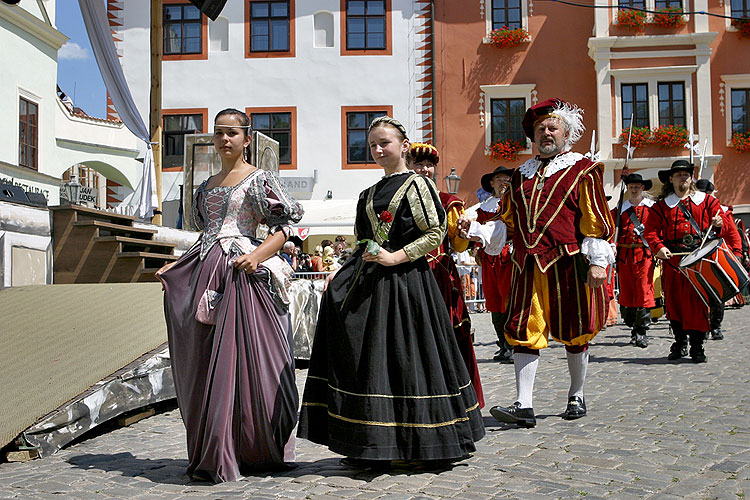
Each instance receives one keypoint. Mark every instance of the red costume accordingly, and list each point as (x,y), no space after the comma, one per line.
(635,265)
(497,270)
(667,226)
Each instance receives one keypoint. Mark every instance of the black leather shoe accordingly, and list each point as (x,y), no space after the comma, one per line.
(641,341)
(697,354)
(503,356)
(632,339)
(576,408)
(677,351)
(514,414)
(716,334)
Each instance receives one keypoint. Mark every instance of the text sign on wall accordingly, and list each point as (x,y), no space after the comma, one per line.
(298,184)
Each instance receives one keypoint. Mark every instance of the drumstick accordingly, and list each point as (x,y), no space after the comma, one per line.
(705,236)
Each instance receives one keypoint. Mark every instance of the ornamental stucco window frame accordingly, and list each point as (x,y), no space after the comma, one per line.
(527,7)
(526,91)
(729,82)
(727,4)
(652,77)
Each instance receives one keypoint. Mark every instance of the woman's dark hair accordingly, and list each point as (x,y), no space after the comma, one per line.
(241,117)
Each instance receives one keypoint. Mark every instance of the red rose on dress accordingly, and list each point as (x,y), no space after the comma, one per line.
(386,216)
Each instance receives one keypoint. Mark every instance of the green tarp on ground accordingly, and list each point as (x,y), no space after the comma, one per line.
(56,341)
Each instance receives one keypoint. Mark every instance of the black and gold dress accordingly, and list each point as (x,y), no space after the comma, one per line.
(386,378)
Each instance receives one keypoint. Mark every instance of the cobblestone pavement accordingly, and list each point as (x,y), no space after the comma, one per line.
(655,429)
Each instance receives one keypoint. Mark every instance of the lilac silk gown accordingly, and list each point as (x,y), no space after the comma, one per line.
(234,380)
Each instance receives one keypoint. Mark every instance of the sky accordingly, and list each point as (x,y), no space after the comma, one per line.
(77,72)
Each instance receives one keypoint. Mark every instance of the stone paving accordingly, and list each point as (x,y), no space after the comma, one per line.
(655,429)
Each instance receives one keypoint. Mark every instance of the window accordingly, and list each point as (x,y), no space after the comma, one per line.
(740,110)
(269,26)
(185,31)
(506,116)
(28,134)
(176,125)
(356,120)
(665,4)
(740,8)
(501,110)
(671,103)
(277,126)
(182,29)
(366,27)
(633,4)
(635,104)
(506,13)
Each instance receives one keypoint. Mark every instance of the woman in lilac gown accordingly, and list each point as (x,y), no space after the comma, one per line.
(229,333)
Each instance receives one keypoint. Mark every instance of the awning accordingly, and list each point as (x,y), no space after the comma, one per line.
(323,217)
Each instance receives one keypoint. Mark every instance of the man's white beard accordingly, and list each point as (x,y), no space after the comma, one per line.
(550,149)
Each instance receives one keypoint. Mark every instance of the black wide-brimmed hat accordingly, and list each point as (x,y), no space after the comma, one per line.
(638,179)
(705,185)
(487,178)
(677,166)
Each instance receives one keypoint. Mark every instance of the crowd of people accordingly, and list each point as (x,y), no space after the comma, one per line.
(393,379)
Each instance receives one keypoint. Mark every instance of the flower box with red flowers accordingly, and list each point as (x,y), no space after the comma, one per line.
(631,19)
(669,17)
(741,142)
(640,137)
(507,149)
(743,27)
(506,37)
(670,136)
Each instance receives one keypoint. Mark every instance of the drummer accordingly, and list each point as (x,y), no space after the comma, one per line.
(675,226)
(635,263)
(732,237)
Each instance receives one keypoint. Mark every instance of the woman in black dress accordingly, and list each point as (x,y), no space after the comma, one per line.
(386,378)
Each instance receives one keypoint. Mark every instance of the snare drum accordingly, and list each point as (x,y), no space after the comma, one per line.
(715,273)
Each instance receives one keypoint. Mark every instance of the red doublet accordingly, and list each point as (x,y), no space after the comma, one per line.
(497,271)
(666,225)
(635,265)
(449,282)
(549,225)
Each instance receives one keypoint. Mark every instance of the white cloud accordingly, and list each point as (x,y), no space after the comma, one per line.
(72,50)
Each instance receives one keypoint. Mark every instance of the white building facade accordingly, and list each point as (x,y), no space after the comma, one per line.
(310,74)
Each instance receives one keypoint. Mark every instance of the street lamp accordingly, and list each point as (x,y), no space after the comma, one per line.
(72,190)
(452,181)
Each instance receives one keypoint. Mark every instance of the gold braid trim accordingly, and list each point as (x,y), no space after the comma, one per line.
(404,424)
(426,218)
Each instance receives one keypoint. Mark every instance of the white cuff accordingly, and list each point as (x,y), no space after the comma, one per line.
(492,235)
(598,252)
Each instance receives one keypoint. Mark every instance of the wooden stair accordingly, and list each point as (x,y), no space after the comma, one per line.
(94,246)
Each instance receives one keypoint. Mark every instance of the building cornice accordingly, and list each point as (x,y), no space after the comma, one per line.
(101,148)
(32,25)
(604,44)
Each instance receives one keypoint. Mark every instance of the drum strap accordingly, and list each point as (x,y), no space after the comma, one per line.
(637,225)
(690,219)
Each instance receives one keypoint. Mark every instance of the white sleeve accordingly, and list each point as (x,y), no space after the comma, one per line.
(492,235)
(598,252)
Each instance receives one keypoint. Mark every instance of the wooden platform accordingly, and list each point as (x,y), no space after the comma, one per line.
(94,246)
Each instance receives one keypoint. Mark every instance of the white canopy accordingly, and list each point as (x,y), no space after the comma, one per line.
(327,217)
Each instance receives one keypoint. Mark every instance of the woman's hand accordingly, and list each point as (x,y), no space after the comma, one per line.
(386,258)
(161,270)
(246,262)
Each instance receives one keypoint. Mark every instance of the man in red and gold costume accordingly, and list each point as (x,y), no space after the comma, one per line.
(497,268)
(424,159)
(677,224)
(635,263)
(732,236)
(557,215)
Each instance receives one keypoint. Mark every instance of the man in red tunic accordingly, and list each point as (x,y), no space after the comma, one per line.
(557,215)
(732,236)
(677,224)
(496,265)
(635,264)
(424,159)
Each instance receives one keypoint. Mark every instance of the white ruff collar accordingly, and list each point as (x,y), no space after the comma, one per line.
(490,204)
(672,200)
(645,201)
(560,162)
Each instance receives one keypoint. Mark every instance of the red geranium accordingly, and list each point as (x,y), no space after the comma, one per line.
(506,149)
(631,19)
(670,17)
(670,136)
(505,37)
(743,26)
(640,137)
(741,142)
(386,216)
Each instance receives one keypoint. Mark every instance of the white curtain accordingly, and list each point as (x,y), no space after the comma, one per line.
(103,45)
